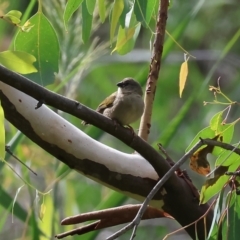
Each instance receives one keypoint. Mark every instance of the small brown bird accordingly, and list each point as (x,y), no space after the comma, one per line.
(126,105)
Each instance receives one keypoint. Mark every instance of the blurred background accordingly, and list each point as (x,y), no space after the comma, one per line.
(88,73)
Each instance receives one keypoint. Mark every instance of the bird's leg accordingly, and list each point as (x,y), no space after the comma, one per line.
(116,123)
(131,129)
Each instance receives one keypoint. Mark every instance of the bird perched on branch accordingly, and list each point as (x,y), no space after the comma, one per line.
(126,105)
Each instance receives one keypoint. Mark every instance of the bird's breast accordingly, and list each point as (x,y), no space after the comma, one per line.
(126,109)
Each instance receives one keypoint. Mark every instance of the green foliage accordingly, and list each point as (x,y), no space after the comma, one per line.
(118,7)
(127,35)
(38,42)
(90,6)
(21,62)
(86,22)
(71,7)
(174,124)
(13,16)
(144,10)
(2,134)
(102,10)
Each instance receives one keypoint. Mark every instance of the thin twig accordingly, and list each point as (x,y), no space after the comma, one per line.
(154,70)
(7,149)
(226,146)
(157,187)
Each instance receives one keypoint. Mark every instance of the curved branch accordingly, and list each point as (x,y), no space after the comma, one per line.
(72,146)
(42,95)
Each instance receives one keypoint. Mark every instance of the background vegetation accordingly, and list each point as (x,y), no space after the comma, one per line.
(88,72)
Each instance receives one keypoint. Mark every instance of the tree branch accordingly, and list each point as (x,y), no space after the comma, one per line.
(108,218)
(223,145)
(184,209)
(155,66)
(78,110)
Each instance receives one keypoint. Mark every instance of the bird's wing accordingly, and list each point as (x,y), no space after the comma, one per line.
(107,103)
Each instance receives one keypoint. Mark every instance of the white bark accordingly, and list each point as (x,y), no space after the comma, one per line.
(53,129)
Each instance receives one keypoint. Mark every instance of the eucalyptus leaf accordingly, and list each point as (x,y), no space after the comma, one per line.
(21,62)
(42,42)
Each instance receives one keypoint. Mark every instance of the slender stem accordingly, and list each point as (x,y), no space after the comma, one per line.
(155,66)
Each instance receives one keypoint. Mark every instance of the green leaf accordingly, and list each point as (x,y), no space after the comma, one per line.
(234,219)
(214,185)
(14,16)
(41,41)
(226,134)
(126,39)
(2,134)
(123,38)
(102,10)
(86,23)
(126,9)
(216,121)
(71,7)
(144,10)
(116,13)
(17,61)
(204,133)
(91,6)
(227,158)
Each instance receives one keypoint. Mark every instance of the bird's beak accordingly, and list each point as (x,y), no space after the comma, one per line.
(120,84)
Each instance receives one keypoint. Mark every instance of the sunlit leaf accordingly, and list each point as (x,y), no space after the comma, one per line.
(214,185)
(144,10)
(91,6)
(227,158)
(116,13)
(42,211)
(128,34)
(71,7)
(226,132)
(2,134)
(14,16)
(86,23)
(123,37)
(102,10)
(41,41)
(216,122)
(17,61)
(183,77)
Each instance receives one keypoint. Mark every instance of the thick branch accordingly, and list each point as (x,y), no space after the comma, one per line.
(178,199)
(155,65)
(80,111)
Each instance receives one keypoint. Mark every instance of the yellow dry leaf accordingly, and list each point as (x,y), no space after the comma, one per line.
(183,77)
